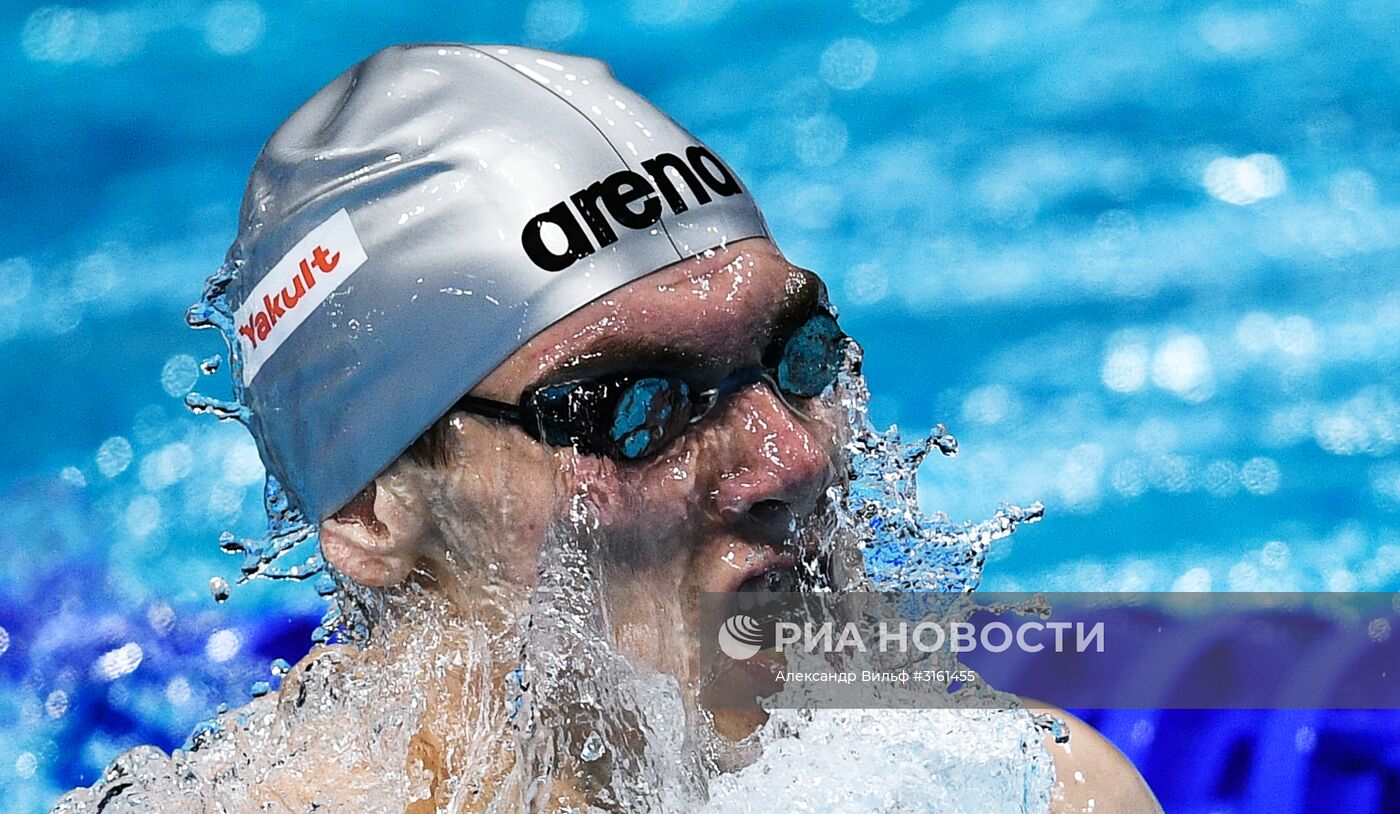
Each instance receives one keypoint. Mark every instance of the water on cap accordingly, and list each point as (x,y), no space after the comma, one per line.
(421,218)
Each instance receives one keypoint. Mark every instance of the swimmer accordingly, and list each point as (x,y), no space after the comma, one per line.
(525,350)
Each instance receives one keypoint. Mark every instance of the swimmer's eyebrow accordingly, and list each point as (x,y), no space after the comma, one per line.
(618,352)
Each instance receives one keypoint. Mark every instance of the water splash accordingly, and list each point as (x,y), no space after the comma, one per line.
(904,548)
(861,760)
(373,721)
(286,550)
(989,757)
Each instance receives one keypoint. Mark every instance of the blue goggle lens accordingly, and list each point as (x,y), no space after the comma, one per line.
(650,412)
(811,358)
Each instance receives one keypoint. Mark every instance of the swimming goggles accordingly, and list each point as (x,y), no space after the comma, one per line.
(629,416)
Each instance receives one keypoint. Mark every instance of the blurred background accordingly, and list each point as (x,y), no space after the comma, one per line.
(1139,256)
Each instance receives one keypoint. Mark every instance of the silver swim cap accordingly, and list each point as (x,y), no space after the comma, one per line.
(421,218)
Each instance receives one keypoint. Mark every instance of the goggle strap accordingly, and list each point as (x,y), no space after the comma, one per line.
(490,408)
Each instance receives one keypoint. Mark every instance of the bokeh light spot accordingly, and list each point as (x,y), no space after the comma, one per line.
(1260,476)
(179,375)
(1220,479)
(119,662)
(1125,368)
(178,691)
(1182,365)
(16,278)
(551,21)
(881,11)
(60,34)
(1244,181)
(114,456)
(821,141)
(26,764)
(143,515)
(991,404)
(166,466)
(233,26)
(56,705)
(849,64)
(1195,580)
(222,645)
(867,284)
(1276,555)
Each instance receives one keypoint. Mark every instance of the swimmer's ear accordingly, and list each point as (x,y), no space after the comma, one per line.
(376,538)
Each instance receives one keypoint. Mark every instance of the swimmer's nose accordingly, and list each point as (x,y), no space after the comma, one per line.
(776,469)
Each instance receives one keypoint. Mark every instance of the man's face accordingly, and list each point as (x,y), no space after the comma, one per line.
(728,505)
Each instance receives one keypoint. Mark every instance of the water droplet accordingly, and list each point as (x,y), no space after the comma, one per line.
(592,747)
(947,444)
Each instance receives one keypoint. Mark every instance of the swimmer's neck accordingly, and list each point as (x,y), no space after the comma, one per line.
(448,661)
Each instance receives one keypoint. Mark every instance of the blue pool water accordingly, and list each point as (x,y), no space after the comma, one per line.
(1140,257)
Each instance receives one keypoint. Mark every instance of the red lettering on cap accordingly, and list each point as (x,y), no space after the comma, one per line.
(287,294)
(324,263)
(276,306)
(273,307)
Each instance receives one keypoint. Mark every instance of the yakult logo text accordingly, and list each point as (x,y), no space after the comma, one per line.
(300,281)
(275,306)
(627,198)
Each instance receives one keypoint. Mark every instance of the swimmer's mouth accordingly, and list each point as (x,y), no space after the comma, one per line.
(784,573)
(781,575)
(778,577)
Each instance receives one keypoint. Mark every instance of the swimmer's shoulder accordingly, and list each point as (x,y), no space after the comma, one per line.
(1091,775)
(316,678)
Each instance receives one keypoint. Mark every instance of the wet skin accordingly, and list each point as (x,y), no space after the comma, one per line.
(714,509)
